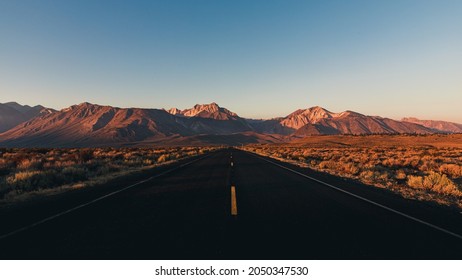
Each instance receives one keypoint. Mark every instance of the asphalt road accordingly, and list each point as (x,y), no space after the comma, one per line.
(188,213)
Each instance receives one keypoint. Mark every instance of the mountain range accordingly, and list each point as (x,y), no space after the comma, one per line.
(12,114)
(89,125)
(448,127)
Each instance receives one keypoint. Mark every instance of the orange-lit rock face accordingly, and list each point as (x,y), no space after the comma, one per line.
(94,125)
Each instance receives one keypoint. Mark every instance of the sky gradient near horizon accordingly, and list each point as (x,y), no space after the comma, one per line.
(259,59)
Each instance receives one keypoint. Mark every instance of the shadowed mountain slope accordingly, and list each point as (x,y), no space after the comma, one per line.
(89,125)
(12,114)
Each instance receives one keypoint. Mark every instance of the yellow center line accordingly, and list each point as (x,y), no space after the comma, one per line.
(233,201)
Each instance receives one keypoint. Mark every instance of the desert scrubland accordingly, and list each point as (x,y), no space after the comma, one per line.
(37,171)
(426,168)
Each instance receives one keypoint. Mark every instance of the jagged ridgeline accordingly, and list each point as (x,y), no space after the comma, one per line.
(88,125)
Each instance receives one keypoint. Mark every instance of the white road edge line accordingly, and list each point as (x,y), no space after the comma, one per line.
(96,200)
(364,199)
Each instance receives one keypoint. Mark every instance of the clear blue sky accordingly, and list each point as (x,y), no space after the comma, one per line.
(258,58)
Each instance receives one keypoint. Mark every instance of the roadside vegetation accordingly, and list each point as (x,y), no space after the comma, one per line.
(25,171)
(418,171)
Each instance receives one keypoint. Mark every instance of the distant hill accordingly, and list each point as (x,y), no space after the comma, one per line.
(93,125)
(12,114)
(210,119)
(443,126)
(89,125)
(319,121)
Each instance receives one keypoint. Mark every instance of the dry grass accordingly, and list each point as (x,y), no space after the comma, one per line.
(418,167)
(432,140)
(25,172)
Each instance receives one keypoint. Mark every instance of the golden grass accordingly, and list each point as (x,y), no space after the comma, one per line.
(433,140)
(31,172)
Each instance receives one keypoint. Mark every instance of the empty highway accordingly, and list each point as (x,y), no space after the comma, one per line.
(230,204)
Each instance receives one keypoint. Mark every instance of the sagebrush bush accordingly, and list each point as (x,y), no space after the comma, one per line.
(163,158)
(440,183)
(452,170)
(400,174)
(415,181)
(435,182)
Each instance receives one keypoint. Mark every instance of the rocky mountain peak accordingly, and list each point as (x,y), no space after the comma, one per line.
(174,111)
(210,111)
